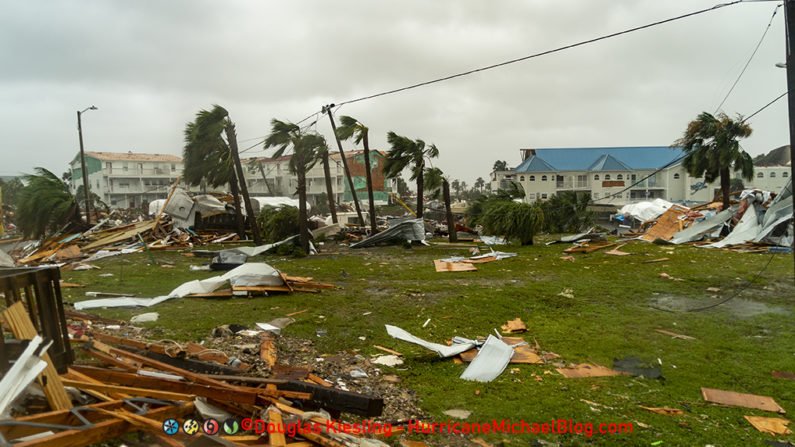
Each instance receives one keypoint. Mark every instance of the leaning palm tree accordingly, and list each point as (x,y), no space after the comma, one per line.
(211,159)
(712,150)
(409,153)
(307,149)
(45,204)
(351,128)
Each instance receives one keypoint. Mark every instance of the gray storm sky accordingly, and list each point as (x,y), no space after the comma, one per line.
(151,65)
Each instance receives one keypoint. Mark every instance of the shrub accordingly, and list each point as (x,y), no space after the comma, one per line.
(278,223)
(512,220)
(567,211)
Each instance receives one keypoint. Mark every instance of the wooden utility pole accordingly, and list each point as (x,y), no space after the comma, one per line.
(789,18)
(327,110)
(252,218)
(332,204)
(83,164)
(451,231)
(369,178)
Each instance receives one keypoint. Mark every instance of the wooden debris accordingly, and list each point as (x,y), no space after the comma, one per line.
(617,251)
(391,351)
(783,374)
(656,260)
(667,276)
(589,370)
(674,335)
(589,247)
(268,350)
(664,410)
(736,399)
(773,426)
(667,224)
(522,355)
(443,266)
(296,313)
(17,318)
(514,326)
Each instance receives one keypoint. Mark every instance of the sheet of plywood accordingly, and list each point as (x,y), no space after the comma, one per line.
(443,266)
(773,426)
(667,224)
(741,400)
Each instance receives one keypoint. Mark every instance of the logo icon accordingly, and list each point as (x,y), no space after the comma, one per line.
(190,426)
(170,426)
(210,426)
(231,426)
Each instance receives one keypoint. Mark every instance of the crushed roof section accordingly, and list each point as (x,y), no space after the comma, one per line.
(129,156)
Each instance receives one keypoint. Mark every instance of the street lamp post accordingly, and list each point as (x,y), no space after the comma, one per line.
(83,162)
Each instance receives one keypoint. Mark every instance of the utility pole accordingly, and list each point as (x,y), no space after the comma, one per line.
(327,109)
(789,18)
(83,162)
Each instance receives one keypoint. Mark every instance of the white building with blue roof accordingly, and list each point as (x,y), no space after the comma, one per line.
(613,175)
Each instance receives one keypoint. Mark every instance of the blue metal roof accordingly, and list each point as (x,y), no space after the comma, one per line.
(580,159)
(608,163)
(534,164)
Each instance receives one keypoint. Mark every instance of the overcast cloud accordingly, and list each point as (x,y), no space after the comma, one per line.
(151,65)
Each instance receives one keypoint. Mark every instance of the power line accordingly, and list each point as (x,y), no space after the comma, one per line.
(764,107)
(698,309)
(535,55)
(767,28)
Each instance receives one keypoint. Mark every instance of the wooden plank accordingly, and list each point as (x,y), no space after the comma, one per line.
(77,375)
(666,225)
(268,350)
(199,378)
(18,320)
(275,438)
(741,400)
(319,380)
(59,417)
(104,430)
(117,237)
(443,266)
(589,370)
(142,392)
(675,335)
(148,425)
(391,351)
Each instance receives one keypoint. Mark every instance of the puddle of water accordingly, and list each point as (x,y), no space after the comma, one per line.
(738,306)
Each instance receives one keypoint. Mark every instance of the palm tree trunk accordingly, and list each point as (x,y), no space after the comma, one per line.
(329,190)
(371,202)
(725,186)
(451,231)
(238,209)
(345,165)
(303,231)
(252,219)
(420,186)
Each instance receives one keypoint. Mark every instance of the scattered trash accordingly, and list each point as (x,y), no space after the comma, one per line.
(458,346)
(741,400)
(490,362)
(145,318)
(674,335)
(458,413)
(426,322)
(567,293)
(387,360)
(664,410)
(358,373)
(667,276)
(320,332)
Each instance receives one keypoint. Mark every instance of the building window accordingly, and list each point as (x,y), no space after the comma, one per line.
(124,167)
(772,174)
(619,177)
(544,196)
(676,176)
(607,176)
(633,177)
(760,174)
(543,178)
(108,165)
(531,196)
(97,184)
(521,178)
(785,174)
(532,178)
(596,177)
(596,194)
(173,167)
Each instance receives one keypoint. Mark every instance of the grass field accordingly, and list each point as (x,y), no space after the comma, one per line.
(612,308)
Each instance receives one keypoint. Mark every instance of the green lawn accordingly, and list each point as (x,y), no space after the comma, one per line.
(617,303)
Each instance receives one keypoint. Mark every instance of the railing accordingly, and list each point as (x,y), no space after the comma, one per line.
(134,171)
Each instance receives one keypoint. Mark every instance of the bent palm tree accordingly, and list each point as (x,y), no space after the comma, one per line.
(351,128)
(210,159)
(712,148)
(409,153)
(45,204)
(307,149)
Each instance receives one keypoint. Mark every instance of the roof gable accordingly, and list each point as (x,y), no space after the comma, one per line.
(608,163)
(534,164)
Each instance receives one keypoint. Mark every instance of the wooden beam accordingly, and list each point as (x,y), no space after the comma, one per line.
(168,199)
(142,392)
(18,320)
(275,438)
